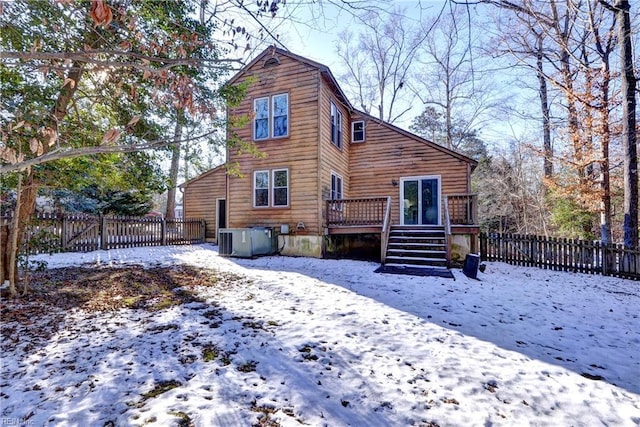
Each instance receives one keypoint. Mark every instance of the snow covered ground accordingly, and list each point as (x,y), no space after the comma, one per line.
(330,342)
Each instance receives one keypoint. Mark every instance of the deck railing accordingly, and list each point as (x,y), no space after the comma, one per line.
(356,212)
(462,209)
(386,226)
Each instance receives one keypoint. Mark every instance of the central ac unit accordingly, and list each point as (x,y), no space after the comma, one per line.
(247,242)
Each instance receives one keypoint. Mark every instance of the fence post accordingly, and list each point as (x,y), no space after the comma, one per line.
(103,233)
(63,232)
(606,260)
(163,231)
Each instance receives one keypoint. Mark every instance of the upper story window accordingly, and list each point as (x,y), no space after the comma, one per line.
(336,186)
(271,188)
(336,126)
(357,131)
(280,115)
(271,118)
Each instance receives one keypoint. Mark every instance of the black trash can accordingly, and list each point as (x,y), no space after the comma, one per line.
(471,263)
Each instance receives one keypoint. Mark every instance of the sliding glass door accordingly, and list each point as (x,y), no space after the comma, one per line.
(420,198)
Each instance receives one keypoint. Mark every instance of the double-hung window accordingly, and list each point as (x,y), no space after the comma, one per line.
(271,188)
(336,126)
(336,186)
(261,189)
(357,131)
(280,187)
(261,120)
(271,117)
(280,115)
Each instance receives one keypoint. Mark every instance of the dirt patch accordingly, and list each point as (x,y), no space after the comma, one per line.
(54,292)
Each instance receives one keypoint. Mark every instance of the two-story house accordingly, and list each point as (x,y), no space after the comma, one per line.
(333,177)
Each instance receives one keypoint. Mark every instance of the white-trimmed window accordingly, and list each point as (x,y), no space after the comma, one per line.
(357,131)
(261,189)
(336,126)
(280,110)
(261,119)
(280,187)
(271,117)
(336,186)
(271,188)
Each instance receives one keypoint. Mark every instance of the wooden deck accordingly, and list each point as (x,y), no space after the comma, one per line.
(372,215)
(356,216)
(367,215)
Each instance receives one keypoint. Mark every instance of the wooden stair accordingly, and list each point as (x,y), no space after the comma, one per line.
(417,246)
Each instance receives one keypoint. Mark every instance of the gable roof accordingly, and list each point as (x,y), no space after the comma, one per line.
(420,139)
(273,51)
(203,175)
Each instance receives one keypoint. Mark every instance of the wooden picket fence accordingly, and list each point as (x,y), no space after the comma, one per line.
(50,233)
(575,255)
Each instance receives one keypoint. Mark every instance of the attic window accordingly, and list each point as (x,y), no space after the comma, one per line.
(271,62)
(357,131)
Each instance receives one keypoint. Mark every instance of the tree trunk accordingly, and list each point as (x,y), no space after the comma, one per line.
(12,242)
(175,166)
(605,136)
(544,105)
(629,135)
(27,195)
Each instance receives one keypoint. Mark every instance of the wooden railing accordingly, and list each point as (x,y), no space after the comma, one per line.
(581,256)
(447,230)
(386,226)
(49,233)
(356,212)
(462,209)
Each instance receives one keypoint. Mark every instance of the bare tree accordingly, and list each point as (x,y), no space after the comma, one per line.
(451,78)
(622,11)
(568,44)
(379,61)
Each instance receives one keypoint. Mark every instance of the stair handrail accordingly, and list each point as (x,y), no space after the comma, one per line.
(384,237)
(447,230)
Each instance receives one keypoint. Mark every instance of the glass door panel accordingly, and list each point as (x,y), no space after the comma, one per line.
(429,208)
(421,201)
(411,202)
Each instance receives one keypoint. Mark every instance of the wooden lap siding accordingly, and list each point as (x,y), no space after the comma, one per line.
(298,152)
(389,155)
(332,158)
(200,197)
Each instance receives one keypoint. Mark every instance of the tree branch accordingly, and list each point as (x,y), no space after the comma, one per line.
(69,153)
